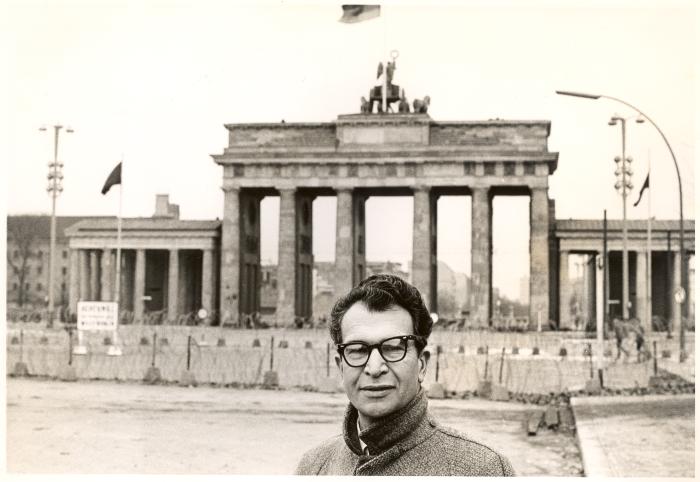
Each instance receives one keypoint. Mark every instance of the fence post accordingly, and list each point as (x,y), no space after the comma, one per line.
(655,365)
(21,346)
(189,338)
(500,370)
(70,346)
(590,359)
(272,351)
(153,357)
(437,362)
(486,366)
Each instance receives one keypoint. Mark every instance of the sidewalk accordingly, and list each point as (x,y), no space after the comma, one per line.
(636,436)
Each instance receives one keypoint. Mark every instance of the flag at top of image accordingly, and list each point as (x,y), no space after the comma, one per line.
(359,13)
(115,177)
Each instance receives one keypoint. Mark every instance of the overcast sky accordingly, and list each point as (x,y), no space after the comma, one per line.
(154,82)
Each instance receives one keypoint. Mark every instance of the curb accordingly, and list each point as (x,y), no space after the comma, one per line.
(594,457)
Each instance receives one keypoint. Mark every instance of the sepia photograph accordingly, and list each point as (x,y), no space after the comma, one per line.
(296,238)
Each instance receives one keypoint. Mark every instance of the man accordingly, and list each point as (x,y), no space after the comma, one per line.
(381,330)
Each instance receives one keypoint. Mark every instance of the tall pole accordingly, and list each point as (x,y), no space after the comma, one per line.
(684,274)
(54,188)
(606,305)
(648,270)
(625,258)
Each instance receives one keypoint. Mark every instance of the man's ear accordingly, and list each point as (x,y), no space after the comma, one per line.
(423,359)
(338,363)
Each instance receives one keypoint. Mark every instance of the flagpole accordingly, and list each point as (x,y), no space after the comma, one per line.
(117,289)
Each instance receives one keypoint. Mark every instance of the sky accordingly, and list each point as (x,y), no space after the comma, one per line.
(153,83)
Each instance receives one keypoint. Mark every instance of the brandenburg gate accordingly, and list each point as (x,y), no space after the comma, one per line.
(377,154)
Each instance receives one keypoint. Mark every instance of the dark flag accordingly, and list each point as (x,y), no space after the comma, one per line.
(359,13)
(641,191)
(115,177)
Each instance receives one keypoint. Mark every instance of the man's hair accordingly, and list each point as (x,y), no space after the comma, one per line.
(381,292)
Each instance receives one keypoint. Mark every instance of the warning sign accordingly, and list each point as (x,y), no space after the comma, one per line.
(97,315)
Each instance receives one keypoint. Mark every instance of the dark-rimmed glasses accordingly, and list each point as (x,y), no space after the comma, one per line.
(392,350)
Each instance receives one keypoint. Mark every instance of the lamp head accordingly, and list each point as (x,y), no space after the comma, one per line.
(577,94)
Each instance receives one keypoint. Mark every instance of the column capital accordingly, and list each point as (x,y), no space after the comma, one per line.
(233,189)
(421,188)
(286,189)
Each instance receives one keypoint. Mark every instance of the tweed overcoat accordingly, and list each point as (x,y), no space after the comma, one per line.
(406,442)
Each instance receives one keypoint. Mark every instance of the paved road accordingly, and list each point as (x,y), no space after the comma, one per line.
(640,436)
(108,427)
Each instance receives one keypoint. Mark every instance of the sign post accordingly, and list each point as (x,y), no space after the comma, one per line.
(98,316)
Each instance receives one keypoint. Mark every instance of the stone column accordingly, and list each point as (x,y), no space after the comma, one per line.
(94,276)
(74,275)
(564,291)
(286,267)
(207,280)
(344,262)
(539,256)
(640,300)
(139,283)
(84,275)
(599,310)
(107,276)
(173,285)
(359,258)
(230,260)
(420,273)
(481,257)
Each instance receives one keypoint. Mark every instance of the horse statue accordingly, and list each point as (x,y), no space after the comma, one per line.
(421,106)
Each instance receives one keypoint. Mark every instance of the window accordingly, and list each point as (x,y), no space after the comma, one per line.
(489,169)
(38,287)
(16,254)
(14,286)
(529,168)
(65,254)
(39,254)
(63,286)
(26,287)
(39,269)
(64,271)
(509,168)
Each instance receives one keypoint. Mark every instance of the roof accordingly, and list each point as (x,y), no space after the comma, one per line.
(41,224)
(616,224)
(145,224)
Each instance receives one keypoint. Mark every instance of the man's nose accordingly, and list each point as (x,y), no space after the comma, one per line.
(375,365)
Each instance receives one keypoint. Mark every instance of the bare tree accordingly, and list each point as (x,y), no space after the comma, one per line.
(22,236)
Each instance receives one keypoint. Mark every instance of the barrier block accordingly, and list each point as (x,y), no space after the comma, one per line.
(480,350)
(14,341)
(436,390)
(283,344)
(551,417)
(562,351)
(593,387)
(144,341)
(107,341)
(44,340)
(67,374)
(461,349)
(656,381)
(308,344)
(20,370)
(484,389)
(607,352)
(515,350)
(566,417)
(164,342)
(271,379)
(536,351)
(221,342)
(533,422)
(256,343)
(499,393)
(665,353)
(152,376)
(187,379)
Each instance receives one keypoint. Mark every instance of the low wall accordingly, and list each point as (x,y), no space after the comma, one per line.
(237,361)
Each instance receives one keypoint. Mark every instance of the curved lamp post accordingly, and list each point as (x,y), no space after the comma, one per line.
(684,277)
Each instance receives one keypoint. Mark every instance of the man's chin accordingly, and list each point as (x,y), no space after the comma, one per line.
(375,408)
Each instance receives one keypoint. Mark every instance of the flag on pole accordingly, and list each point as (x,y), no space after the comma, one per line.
(115,177)
(641,191)
(359,13)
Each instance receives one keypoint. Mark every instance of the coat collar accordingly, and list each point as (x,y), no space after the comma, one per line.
(395,428)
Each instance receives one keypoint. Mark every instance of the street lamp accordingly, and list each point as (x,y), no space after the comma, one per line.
(624,184)
(54,188)
(684,276)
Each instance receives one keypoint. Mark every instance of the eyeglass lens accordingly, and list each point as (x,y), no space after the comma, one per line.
(392,350)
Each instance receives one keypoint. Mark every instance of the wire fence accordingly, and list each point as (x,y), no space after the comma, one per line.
(522,362)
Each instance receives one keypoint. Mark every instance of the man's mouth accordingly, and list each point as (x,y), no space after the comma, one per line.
(377,389)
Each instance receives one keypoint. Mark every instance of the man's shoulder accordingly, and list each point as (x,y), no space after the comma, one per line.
(313,461)
(461,449)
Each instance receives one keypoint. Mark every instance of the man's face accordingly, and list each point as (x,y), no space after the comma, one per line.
(380,388)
